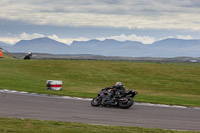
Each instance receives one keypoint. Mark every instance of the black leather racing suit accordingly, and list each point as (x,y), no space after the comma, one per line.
(120,88)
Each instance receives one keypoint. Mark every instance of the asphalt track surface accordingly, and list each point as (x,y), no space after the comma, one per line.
(81,111)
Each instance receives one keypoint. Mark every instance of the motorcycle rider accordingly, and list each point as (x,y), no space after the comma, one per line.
(30,53)
(118,89)
(118,96)
(28,56)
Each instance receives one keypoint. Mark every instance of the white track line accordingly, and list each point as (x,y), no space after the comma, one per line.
(89,99)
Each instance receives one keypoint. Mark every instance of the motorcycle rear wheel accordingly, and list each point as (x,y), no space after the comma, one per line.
(96,101)
(127,104)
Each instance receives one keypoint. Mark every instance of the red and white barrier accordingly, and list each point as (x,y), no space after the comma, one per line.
(54,85)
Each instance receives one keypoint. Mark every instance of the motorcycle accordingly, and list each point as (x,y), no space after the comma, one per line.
(28,56)
(114,98)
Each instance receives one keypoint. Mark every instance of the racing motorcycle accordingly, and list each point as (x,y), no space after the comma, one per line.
(28,56)
(114,98)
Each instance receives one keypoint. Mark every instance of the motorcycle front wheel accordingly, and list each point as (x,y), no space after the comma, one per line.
(96,101)
(127,103)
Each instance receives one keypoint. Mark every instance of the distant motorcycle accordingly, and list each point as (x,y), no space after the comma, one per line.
(114,98)
(28,56)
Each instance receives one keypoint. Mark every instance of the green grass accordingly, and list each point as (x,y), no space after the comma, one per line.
(12,125)
(157,82)
(7,57)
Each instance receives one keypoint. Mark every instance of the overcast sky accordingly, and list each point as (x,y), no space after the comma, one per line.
(67,20)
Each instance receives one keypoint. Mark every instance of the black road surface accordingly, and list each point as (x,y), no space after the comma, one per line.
(71,110)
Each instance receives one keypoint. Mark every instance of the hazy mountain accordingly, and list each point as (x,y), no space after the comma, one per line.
(109,47)
(2,44)
(107,42)
(175,43)
(177,47)
(45,41)
(45,45)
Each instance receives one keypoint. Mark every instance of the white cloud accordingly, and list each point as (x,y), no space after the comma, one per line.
(70,40)
(187,37)
(155,14)
(132,37)
(9,40)
(12,39)
(54,37)
(67,40)
(25,36)
(143,39)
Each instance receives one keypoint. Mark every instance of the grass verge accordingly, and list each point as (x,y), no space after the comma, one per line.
(37,126)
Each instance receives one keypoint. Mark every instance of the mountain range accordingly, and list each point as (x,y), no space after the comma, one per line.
(170,47)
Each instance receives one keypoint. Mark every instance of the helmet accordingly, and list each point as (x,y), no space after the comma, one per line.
(118,83)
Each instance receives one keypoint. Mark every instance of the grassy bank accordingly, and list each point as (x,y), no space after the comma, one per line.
(156,82)
(7,57)
(36,126)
